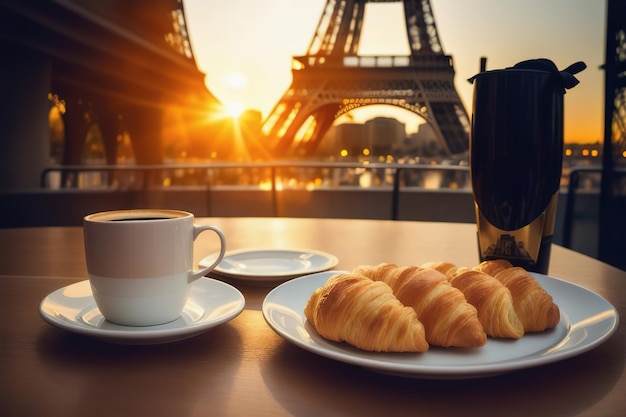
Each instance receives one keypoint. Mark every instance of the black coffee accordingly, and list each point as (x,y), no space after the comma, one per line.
(132,219)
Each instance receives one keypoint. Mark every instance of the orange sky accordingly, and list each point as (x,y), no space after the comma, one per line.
(245,47)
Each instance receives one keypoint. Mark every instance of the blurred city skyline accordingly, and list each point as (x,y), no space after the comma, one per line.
(245,48)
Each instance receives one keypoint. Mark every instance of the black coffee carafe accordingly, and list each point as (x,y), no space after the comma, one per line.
(516,157)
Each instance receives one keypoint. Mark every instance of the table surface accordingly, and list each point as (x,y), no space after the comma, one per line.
(243,368)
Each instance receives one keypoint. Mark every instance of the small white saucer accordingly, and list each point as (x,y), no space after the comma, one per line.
(211,303)
(270,265)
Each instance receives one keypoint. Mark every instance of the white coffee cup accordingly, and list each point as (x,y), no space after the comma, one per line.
(140,263)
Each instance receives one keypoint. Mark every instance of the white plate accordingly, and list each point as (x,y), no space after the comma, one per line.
(210,304)
(270,265)
(587,320)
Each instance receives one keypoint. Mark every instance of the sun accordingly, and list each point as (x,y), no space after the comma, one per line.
(236,82)
(234,109)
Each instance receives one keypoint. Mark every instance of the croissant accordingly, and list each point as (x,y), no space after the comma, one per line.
(493,301)
(447,268)
(533,304)
(449,320)
(493,266)
(365,314)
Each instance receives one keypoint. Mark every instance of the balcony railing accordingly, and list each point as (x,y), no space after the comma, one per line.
(272,177)
(385,191)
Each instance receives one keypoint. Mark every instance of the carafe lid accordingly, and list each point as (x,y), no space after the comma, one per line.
(566,76)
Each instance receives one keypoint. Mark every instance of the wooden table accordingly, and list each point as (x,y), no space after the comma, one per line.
(243,368)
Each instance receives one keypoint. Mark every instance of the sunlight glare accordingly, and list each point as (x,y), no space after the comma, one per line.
(234,109)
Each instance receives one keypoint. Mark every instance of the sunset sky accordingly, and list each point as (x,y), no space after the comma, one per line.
(245,47)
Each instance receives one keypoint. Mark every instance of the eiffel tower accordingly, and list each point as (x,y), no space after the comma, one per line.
(332,79)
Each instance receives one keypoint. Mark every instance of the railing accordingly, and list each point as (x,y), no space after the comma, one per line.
(272,177)
(386,191)
(575,175)
(606,214)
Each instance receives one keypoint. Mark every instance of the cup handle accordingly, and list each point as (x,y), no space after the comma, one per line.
(202,272)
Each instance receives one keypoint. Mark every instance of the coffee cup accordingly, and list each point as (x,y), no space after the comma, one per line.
(140,263)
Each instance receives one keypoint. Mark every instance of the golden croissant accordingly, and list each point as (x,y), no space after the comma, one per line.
(533,304)
(493,301)
(447,268)
(449,320)
(365,314)
(493,266)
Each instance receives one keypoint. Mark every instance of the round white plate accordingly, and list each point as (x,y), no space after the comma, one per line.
(271,265)
(587,320)
(210,304)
